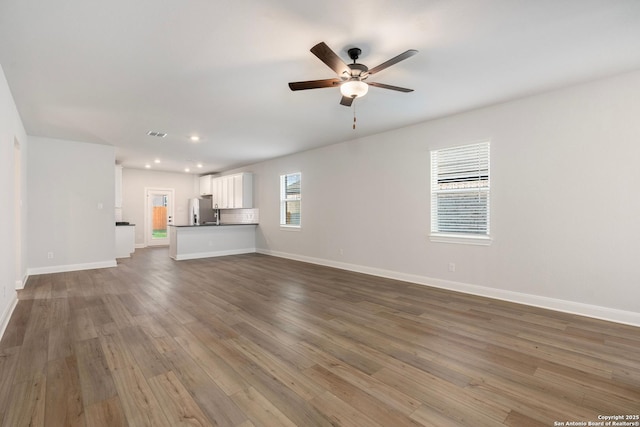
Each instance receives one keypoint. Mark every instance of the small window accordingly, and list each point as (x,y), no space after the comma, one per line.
(290,199)
(460,194)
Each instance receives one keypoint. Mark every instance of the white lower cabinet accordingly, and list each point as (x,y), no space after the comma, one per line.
(125,240)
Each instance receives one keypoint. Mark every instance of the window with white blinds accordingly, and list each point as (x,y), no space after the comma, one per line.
(460,191)
(290,199)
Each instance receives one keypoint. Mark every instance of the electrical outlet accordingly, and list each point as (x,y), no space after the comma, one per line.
(49,255)
(452,267)
(341,251)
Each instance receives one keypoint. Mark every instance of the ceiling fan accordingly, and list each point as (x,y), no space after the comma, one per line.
(351,77)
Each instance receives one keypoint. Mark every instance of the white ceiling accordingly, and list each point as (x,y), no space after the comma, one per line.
(108,72)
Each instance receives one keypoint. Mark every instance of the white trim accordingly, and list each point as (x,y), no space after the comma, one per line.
(284,200)
(6,316)
(581,309)
(141,245)
(463,163)
(290,227)
(72,267)
(21,283)
(461,239)
(200,255)
(18,208)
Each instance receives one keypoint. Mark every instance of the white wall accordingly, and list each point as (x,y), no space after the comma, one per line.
(134,182)
(72,201)
(12,260)
(565,216)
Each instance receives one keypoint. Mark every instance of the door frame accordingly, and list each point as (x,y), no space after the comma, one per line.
(148,240)
(17,211)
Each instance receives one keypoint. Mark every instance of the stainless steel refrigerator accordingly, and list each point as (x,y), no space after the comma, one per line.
(200,211)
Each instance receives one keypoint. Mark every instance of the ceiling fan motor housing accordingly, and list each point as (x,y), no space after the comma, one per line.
(358,70)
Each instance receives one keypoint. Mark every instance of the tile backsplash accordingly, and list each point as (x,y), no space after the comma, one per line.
(240,216)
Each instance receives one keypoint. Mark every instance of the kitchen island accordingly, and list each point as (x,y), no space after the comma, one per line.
(210,240)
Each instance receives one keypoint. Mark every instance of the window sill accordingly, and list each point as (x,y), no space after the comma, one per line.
(461,239)
(290,227)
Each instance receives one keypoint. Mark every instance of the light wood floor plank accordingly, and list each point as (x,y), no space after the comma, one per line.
(213,365)
(138,402)
(359,399)
(8,363)
(260,410)
(341,413)
(176,402)
(218,407)
(93,371)
(106,413)
(27,404)
(63,406)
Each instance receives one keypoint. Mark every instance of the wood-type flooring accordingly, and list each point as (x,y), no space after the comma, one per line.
(254,340)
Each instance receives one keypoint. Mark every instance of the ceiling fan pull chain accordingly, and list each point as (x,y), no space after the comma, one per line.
(354,116)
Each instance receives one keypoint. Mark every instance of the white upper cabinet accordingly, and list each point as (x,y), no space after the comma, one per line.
(243,190)
(233,191)
(205,185)
(216,192)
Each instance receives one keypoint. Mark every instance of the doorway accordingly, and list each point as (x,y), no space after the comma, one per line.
(158,215)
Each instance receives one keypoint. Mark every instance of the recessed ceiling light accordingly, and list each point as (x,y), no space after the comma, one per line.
(156,161)
(156,133)
(148,166)
(195,138)
(199,165)
(187,170)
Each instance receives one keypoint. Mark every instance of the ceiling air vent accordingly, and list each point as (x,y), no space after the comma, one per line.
(158,134)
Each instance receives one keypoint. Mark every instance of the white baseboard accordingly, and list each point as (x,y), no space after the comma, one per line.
(199,255)
(140,245)
(588,310)
(71,267)
(6,316)
(20,283)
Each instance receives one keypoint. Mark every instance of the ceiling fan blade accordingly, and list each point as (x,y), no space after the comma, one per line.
(347,101)
(384,86)
(393,60)
(314,84)
(329,57)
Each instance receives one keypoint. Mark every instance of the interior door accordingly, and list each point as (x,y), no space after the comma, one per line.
(159,216)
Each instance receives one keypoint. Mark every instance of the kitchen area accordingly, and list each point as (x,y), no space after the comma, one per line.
(204,216)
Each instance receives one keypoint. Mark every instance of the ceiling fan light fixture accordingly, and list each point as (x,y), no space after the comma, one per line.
(354,88)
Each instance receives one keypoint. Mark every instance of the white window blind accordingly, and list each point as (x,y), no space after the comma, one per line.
(290,199)
(460,190)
